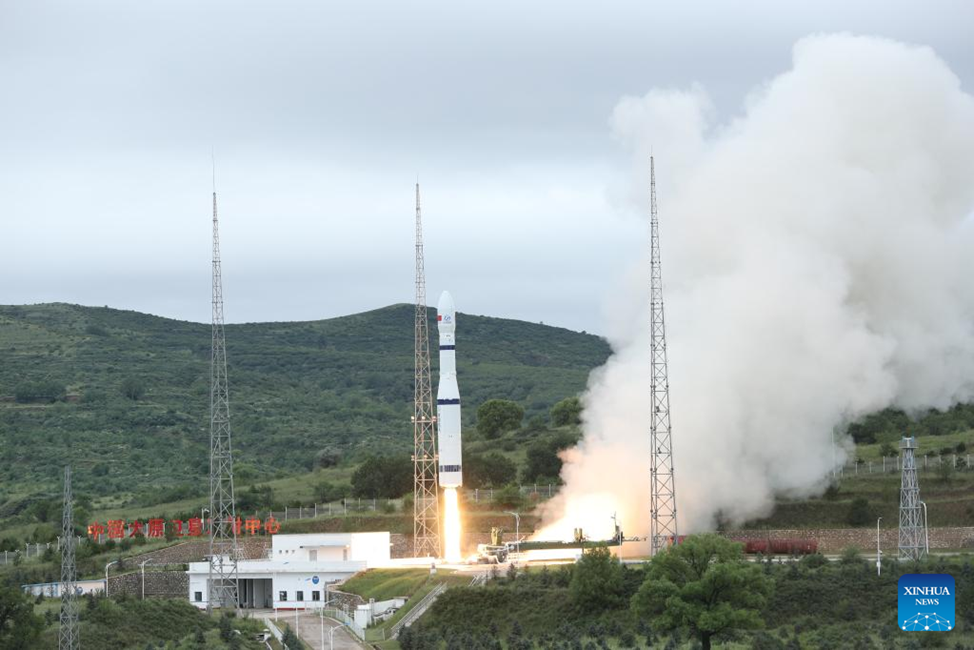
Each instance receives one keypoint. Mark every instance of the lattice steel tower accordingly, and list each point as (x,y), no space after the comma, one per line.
(663,489)
(223,533)
(69,634)
(913,529)
(426,514)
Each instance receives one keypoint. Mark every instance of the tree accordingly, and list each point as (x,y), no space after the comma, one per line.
(542,462)
(597,581)
(383,477)
(291,639)
(488,470)
(495,416)
(20,628)
(705,585)
(133,388)
(567,411)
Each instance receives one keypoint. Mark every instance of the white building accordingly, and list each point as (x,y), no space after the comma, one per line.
(297,570)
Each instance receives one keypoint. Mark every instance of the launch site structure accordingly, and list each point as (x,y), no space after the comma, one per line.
(663,530)
(913,525)
(222,578)
(69,631)
(426,516)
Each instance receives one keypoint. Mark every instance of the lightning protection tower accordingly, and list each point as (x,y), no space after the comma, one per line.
(663,488)
(69,634)
(913,525)
(223,533)
(426,515)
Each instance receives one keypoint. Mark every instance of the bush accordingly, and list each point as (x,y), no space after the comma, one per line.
(40,391)
(133,388)
(566,412)
(326,491)
(488,470)
(383,477)
(508,497)
(860,513)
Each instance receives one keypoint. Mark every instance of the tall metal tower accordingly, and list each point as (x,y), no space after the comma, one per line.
(663,490)
(426,513)
(69,637)
(223,533)
(913,529)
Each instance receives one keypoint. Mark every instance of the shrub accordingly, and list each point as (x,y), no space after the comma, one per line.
(40,391)
(567,411)
(860,513)
(133,388)
(508,497)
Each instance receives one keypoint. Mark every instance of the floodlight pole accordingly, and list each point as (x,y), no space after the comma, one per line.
(926,529)
(879,553)
(517,532)
(106,575)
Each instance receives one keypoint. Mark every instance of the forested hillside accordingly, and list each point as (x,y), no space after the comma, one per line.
(125,396)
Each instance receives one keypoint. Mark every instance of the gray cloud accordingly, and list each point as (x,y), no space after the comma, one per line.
(322,115)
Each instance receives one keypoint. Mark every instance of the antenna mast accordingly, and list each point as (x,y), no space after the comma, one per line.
(426,515)
(663,489)
(223,533)
(69,637)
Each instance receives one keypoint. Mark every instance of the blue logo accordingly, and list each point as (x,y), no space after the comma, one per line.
(314,580)
(926,602)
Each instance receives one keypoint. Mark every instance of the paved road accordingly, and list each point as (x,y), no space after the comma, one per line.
(309,629)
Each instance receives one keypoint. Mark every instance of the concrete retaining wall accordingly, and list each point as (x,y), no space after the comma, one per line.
(158,584)
(833,540)
(251,548)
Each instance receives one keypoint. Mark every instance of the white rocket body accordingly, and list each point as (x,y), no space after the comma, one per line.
(448,396)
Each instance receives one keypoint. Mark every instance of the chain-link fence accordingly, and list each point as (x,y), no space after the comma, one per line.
(31,551)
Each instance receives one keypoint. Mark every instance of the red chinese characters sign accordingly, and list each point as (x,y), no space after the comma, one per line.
(193,527)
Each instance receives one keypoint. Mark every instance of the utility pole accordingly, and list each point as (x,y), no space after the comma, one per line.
(426,513)
(222,590)
(663,488)
(912,522)
(69,634)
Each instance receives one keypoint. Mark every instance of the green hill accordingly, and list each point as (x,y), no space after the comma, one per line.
(125,395)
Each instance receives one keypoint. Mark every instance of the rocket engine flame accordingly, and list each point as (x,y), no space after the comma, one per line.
(451,526)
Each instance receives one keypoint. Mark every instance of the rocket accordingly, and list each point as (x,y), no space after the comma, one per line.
(448,396)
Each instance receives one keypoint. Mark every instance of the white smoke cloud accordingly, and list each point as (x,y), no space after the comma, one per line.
(816,263)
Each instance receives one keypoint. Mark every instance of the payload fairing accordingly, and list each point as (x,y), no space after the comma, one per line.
(448,396)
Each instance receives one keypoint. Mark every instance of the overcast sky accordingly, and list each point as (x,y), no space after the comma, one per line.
(323,115)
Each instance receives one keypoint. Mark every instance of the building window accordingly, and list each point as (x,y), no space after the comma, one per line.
(316,595)
(198,596)
(300,596)
(313,555)
(282,596)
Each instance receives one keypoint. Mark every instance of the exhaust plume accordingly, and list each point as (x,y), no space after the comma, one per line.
(816,257)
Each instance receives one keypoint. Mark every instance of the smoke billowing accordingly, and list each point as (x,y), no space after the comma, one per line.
(817,267)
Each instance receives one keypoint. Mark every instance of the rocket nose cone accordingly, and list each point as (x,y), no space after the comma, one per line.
(445,305)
